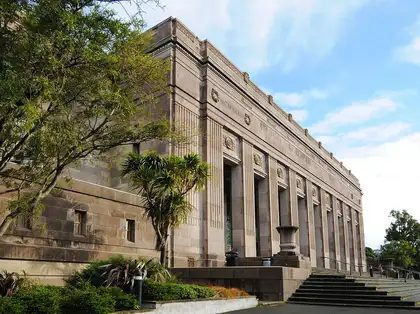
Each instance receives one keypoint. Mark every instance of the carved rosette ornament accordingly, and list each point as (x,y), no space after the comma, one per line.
(229,143)
(299,183)
(214,95)
(257,160)
(280,173)
(247,119)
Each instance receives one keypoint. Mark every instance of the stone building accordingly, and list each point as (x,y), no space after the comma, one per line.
(267,172)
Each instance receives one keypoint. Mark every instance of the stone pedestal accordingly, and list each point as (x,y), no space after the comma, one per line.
(288,256)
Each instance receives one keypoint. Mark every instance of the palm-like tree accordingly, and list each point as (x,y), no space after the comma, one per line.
(163,182)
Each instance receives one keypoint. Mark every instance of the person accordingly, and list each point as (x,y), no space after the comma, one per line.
(371,270)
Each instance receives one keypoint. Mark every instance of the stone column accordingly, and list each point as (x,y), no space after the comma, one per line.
(274,205)
(213,196)
(264,216)
(324,230)
(248,188)
(311,222)
(336,233)
(238,221)
(356,246)
(290,217)
(362,242)
(346,235)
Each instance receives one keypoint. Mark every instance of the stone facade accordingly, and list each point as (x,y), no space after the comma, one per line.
(266,172)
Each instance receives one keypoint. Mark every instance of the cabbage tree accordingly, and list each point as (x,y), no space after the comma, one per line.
(164,182)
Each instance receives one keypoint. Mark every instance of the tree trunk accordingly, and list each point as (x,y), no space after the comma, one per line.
(7,221)
(163,255)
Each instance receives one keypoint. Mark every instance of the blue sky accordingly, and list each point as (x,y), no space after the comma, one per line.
(348,70)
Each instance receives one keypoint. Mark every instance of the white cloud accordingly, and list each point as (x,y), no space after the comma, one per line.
(299,99)
(262,33)
(356,113)
(411,52)
(388,175)
(299,115)
(378,133)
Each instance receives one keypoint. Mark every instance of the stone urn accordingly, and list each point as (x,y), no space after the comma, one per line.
(287,239)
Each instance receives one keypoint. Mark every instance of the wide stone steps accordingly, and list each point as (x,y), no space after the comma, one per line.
(338,289)
(355,302)
(341,292)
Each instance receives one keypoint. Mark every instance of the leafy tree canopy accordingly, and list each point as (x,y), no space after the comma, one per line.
(403,228)
(75,82)
(370,254)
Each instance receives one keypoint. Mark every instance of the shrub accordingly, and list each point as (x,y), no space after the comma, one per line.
(228,293)
(123,301)
(90,300)
(11,305)
(12,282)
(40,299)
(118,271)
(174,291)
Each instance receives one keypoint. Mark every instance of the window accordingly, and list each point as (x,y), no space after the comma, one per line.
(130,226)
(80,222)
(136,148)
(23,221)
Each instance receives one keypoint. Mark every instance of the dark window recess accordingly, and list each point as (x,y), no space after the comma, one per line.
(80,222)
(23,221)
(130,226)
(136,148)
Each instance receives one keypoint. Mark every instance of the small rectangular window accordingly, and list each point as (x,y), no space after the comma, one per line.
(23,221)
(80,222)
(130,230)
(136,148)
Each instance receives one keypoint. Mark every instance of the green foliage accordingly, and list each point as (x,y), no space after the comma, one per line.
(164,182)
(174,291)
(75,82)
(12,306)
(112,272)
(402,240)
(123,301)
(370,254)
(403,253)
(40,299)
(10,282)
(90,300)
(54,300)
(404,228)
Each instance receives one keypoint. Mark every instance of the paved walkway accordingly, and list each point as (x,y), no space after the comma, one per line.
(316,309)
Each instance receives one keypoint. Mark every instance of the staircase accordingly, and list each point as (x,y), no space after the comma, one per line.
(361,291)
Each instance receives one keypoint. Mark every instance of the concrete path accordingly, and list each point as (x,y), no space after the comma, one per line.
(316,309)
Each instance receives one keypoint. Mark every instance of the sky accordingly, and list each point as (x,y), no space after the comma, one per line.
(348,70)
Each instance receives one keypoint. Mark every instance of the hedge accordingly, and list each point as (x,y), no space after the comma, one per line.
(58,300)
(173,291)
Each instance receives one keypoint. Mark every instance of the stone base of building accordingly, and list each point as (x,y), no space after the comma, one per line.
(291,260)
(273,283)
(44,272)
